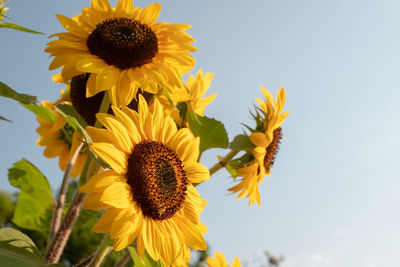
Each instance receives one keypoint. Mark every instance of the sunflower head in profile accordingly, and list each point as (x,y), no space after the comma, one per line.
(220,261)
(60,140)
(266,141)
(123,49)
(148,193)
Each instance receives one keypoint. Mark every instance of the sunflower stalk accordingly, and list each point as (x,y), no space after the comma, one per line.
(85,262)
(223,162)
(101,253)
(91,167)
(55,222)
(123,260)
(60,239)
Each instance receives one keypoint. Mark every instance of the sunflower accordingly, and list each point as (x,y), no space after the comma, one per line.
(148,193)
(220,261)
(194,89)
(123,49)
(266,142)
(197,87)
(60,140)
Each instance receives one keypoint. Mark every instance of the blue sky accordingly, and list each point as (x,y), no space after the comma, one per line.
(332,198)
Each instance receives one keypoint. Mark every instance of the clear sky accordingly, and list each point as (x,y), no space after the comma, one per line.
(333,195)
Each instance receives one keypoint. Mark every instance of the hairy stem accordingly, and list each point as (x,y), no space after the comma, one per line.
(104,248)
(222,163)
(85,262)
(123,260)
(60,239)
(55,222)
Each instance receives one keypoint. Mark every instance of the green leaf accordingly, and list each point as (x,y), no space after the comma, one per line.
(41,111)
(231,171)
(6,207)
(147,260)
(212,133)
(135,258)
(18,250)
(4,119)
(73,119)
(242,142)
(241,161)
(183,108)
(35,201)
(17,27)
(6,91)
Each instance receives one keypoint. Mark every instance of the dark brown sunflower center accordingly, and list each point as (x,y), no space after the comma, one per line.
(157,179)
(272,149)
(123,42)
(88,107)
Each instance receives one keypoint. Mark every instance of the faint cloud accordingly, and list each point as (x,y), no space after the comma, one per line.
(318,258)
(309,260)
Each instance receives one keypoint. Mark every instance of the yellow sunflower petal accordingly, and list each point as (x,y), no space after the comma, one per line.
(101,5)
(124,5)
(107,78)
(92,202)
(111,155)
(197,172)
(100,135)
(97,182)
(150,13)
(104,223)
(119,131)
(116,195)
(191,234)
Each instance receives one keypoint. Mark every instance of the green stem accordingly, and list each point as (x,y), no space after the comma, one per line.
(104,248)
(222,163)
(105,105)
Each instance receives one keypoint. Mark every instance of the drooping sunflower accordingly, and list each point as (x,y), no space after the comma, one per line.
(123,48)
(266,142)
(60,140)
(220,261)
(148,193)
